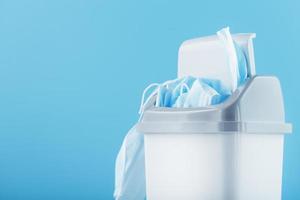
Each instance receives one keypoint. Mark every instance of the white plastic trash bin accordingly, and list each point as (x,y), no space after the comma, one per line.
(230,151)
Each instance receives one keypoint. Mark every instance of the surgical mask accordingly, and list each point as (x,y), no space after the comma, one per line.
(130,163)
(217,85)
(200,95)
(130,168)
(177,89)
(242,64)
(181,98)
(169,91)
(236,59)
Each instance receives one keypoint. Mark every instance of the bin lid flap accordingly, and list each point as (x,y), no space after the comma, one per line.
(205,57)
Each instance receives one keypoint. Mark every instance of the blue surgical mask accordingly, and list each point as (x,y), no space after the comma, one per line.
(182,85)
(181,98)
(237,62)
(242,63)
(130,168)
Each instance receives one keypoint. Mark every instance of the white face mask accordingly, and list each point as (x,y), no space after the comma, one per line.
(236,59)
(200,95)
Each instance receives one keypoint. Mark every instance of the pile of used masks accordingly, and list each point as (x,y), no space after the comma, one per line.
(186,92)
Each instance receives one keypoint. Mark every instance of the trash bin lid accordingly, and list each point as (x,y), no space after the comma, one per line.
(205,57)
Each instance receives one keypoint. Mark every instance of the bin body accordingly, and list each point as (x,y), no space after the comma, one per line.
(213,166)
(229,151)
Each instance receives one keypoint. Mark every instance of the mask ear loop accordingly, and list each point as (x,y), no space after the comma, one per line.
(179,85)
(182,86)
(151,95)
(144,94)
(167,83)
(157,101)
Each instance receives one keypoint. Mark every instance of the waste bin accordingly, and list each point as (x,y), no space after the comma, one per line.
(229,151)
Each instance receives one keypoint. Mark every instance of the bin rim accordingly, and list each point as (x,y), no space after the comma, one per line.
(215,127)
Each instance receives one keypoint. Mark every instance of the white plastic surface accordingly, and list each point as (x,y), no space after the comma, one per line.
(234,166)
(206,57)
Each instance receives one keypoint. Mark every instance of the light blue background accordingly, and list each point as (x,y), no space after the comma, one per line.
(72,73)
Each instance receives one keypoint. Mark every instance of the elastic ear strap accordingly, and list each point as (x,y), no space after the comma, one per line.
(149,98)
(144,94)
(179,85)
(168,82)
(158,96)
